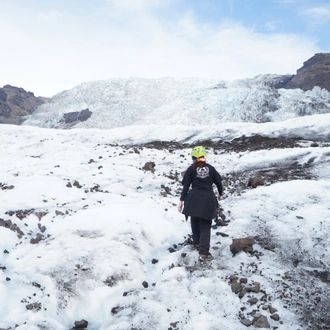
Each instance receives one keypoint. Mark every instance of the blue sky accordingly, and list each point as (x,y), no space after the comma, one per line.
(53,45)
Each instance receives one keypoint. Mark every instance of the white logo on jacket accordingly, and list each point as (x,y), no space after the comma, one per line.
(203,172)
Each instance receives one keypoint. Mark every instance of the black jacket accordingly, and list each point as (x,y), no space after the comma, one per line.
(200,201)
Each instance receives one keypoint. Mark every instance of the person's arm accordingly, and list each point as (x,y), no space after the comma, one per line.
(218,183)
(186,184)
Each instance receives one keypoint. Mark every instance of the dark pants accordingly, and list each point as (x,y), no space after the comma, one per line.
(201,233)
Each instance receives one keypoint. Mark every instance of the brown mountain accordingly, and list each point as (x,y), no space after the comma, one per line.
(15,103)
(315,72)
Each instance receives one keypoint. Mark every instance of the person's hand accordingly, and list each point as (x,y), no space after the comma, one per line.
(180,205)
(219,197)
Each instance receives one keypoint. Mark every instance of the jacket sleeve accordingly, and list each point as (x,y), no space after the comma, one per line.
(186,181)
(218,181)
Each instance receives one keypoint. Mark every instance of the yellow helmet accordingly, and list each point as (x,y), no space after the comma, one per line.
(198,152)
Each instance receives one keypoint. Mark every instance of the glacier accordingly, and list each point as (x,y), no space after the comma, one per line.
(180,101)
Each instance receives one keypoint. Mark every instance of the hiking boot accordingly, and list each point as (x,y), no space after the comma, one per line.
(195,247)
(205,257)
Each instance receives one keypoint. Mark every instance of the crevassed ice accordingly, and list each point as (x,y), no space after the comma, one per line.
(189,101)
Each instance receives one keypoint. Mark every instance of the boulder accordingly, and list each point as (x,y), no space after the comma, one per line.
(242,244)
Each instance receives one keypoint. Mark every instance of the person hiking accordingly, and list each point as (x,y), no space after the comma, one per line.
(200,203)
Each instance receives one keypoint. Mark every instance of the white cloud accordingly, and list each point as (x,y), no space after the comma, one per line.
(137,4)
(271,26)
(317,16)
(50,16)
(47,58)
(287,1)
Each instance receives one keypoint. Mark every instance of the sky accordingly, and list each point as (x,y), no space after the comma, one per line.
(99,238)
(51,46)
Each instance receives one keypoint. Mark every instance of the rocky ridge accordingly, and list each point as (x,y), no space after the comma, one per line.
(15,103)
(315,72)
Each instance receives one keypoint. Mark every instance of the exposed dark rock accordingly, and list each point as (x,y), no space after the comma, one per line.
(76,117)
(12,226)
(15,103)
(275,317)
(252,301)
(117,309)
(236,287)
(42,228)
(242,244)
(261,322)
(272,310)
(77,184)
(315,72)
(3,186)
(255,288)
(281,81)
(246,322)
(37,239)
(256,181)
(149,166)
(82,324)
(34,306)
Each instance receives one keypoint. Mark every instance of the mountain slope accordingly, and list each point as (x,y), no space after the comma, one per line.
(315,72)
(15,103)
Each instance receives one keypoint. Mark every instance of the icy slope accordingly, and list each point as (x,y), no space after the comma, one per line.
(86,231)
(168,101)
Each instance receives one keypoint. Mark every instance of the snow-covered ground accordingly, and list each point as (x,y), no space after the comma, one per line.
(170,101)
(107,226)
